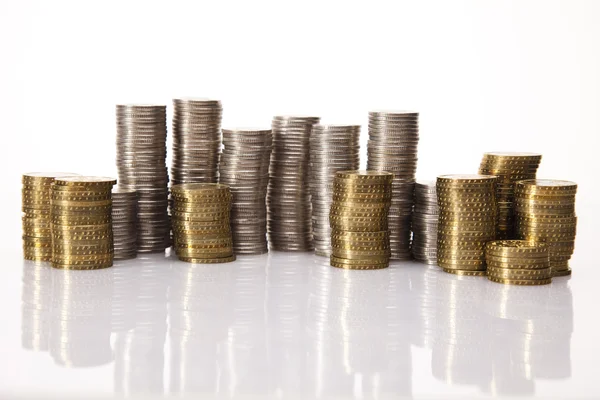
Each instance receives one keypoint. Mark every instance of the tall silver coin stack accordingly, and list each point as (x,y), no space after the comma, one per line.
(425,223)
(333,148)
(124,222)
(141,165)
(196,140)
(244,167)
(392,147)
(289,223)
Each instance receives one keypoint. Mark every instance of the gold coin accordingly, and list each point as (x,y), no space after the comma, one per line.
(217,260)
(521,282)
(512,273)
(341,260)
(557,274)
(516,264)
(85,181)
(367,266)
(464,272)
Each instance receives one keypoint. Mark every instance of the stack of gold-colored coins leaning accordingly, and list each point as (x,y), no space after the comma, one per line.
(467,221)
(124,220)
(289,218)
(425,223)
(518,262)
(201,222)
(360,238)
(333,148)
(545,212)
(392,147)
(37,235)
(244,167)
(82,236)
(509,168)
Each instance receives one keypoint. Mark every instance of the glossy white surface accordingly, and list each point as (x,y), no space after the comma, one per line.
(287,325)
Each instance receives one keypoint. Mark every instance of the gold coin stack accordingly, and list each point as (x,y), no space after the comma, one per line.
(467,221)
(81,215)
(509,168)
(37,236)
(518,262)
(201,223)
(545,212)
(360,237)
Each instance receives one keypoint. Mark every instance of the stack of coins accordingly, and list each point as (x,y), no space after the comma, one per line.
(244,167)
(392,147)
(201,229)
(124,220)
(518,262)
(467,221)
(81,216)
(545,212)
(360,238)
(196,140)
(289,220)
(425,223)
(141,165)
(35,194)
(333,148)
(509,168)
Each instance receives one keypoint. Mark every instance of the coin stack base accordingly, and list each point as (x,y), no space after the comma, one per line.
(360,237)
(201,223)
(124,222)
(518,262)
(425,223)
(545,212)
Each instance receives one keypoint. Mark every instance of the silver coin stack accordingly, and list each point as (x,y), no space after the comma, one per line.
(392,147)
(244,167)
(124,222)
(196,140)
(333,148)
(141,165)
(425,223)
(289,222)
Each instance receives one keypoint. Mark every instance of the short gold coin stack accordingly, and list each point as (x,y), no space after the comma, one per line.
(81,213)
(467,221)
(201,223)
(509,168)
(545,212)
(37,236)
(360,237)
(518,262)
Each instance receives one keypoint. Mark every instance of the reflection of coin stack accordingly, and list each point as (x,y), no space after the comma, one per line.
(125,291)
(289,223)
(124,220)
(201,228)
(37,236)
(82,222)
(359,220)
(80,327)
(392,147)
(421,285)
(244,167)
(508,168)
(35,306)
(196,140)
(518,262)
(141,154)
(467,221)
(425,223)
(333,148)
(545,211)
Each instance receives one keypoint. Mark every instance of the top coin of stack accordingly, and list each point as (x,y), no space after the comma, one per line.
(201,227)
(359,221)
(196,140)
(82,222)
(425,223)
(141,153)
(37,237)
(289,220)
(518,262)
(545,212)
(124,220)
(392,147)
(244,167)
(509,168)
(333,148)
(467,221)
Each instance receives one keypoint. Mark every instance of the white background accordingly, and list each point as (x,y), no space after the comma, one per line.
(485,76)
